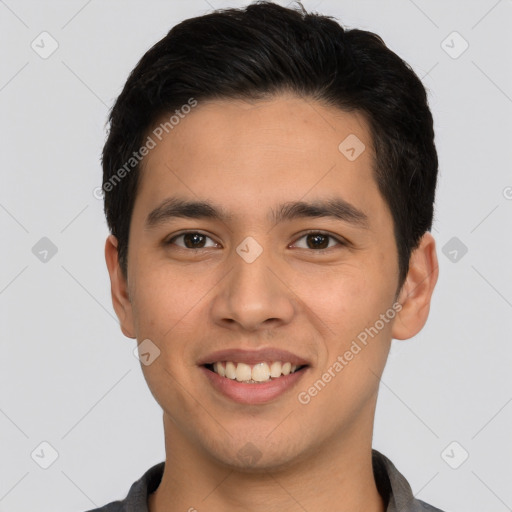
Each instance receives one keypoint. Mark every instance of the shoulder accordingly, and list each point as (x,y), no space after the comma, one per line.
(425,507)
(138,493)
(115,506)
(395,488)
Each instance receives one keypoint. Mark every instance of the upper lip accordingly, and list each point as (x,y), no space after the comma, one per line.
(253,356)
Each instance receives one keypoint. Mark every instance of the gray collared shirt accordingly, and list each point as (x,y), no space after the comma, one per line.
(391,484)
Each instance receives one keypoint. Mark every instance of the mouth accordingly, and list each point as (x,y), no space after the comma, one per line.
(253,377)
(264,371)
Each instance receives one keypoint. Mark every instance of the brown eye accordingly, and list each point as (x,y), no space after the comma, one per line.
(318,241)
(191,240)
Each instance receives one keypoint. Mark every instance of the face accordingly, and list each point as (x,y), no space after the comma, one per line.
(255,279)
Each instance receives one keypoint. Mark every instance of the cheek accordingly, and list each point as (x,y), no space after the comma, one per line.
(163,298)
(339,298)
(357,345)
(166,309)
(347,307)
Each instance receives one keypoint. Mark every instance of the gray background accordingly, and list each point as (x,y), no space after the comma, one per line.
(68,376)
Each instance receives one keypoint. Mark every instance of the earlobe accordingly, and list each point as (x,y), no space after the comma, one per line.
(417,290)
(119,288)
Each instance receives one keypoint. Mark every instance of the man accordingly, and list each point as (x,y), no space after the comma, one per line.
(269,183)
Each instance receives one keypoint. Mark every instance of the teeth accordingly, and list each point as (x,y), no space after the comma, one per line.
(260,372)
(218,368)
(243,372)
(285,370)
(275,369)
(230,370)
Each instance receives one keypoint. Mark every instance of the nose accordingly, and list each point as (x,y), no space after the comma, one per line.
(253,295)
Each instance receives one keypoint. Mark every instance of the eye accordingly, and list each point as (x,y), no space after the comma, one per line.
(191,240)
(319,241)
(316,240)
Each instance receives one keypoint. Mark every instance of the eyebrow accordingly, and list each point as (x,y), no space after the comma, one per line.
(336,208)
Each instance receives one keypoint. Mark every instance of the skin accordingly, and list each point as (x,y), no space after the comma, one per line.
(249,157)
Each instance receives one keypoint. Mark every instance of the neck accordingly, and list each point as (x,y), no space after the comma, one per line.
(341,473)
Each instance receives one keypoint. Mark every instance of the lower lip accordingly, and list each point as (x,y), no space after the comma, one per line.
(252,394)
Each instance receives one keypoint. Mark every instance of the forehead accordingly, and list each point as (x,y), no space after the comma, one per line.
(256,128)
(239,153)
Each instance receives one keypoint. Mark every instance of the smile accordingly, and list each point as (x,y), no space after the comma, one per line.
(256,373)
(249,391)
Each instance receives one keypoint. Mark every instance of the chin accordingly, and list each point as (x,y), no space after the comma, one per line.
(260,456)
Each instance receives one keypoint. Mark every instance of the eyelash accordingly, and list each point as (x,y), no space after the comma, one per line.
(340,241)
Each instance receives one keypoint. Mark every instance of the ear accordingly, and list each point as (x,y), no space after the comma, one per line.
(119,288)
(417,290)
